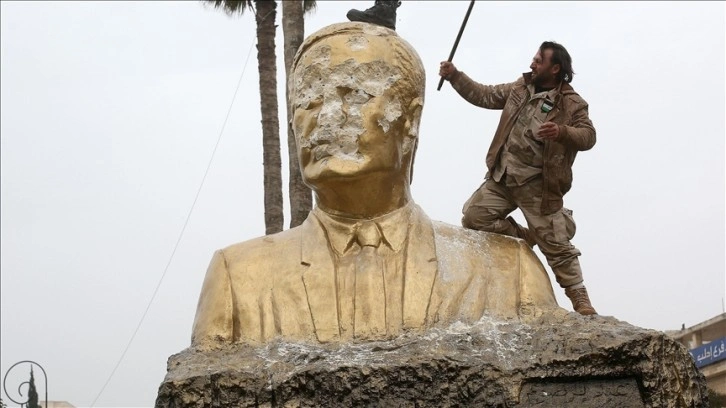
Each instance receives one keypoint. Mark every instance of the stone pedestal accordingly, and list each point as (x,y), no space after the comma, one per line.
(562,360)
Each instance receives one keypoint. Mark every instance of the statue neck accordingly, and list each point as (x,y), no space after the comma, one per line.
(368,197)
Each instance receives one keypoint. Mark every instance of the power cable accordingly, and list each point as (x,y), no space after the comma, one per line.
(181,234)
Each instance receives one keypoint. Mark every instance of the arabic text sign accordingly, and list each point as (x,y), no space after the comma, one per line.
(709,353)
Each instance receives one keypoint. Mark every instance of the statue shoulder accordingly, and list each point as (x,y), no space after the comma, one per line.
(263,249)
(495,261)
(464,239)
(470,251)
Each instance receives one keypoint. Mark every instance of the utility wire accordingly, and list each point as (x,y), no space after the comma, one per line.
(186,222)
(181,234)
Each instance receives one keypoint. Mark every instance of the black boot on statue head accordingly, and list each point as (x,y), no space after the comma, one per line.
(382,13)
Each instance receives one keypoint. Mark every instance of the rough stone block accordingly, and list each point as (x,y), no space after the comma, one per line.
(563,360)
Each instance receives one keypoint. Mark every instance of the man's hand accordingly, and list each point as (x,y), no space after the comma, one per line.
(447,69)
(549,131)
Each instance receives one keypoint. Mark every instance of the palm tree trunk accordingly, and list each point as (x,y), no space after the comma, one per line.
(293,28)
(266,63)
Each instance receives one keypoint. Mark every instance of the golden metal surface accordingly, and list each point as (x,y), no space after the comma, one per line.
(357,95)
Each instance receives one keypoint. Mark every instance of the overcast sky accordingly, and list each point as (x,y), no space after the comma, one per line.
(111,111)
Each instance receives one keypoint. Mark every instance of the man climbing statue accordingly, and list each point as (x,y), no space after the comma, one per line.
(382,13)
(544,123)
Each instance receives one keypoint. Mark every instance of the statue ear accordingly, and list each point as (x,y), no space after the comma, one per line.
(410,141)
(414,117)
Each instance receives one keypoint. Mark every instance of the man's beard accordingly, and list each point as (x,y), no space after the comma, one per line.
(539,79)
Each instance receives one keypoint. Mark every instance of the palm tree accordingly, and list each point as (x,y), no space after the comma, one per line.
(266,65)
(293,29)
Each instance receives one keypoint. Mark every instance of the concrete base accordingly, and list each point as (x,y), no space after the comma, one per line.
(564,360)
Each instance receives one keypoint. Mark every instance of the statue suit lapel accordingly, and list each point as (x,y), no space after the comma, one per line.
(318,272)
(421,270)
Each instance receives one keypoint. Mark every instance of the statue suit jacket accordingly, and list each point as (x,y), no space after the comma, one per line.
(283,285)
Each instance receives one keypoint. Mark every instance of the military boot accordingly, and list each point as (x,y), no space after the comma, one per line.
(382,13)
(580,301)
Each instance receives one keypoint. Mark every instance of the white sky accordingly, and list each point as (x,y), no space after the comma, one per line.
(111,110)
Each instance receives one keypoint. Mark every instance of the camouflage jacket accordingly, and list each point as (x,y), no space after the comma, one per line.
(570,113)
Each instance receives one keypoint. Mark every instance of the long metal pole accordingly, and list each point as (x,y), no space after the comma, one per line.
(458,37)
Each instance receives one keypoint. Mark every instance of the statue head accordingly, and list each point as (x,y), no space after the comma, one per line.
(356,94)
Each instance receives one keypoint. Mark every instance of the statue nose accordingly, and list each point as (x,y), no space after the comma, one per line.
(333,111)
(332,118)
(332,115)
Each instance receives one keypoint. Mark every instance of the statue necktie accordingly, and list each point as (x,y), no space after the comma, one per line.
(370,304)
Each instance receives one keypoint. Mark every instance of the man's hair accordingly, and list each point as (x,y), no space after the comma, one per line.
(559,56)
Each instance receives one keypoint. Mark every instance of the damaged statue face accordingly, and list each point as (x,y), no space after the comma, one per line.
(348,120)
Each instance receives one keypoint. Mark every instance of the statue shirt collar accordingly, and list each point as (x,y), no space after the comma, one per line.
(393,227)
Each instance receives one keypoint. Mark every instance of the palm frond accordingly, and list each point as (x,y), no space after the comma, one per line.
(231,7)
(309,6)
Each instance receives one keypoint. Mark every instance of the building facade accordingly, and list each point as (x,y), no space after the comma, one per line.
(706,342)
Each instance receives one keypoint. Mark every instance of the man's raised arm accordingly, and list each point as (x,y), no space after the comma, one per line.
(485,96)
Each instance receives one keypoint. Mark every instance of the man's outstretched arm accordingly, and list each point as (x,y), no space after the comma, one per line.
(485,96)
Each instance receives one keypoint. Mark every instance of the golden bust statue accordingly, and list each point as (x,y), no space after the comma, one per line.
(367,264)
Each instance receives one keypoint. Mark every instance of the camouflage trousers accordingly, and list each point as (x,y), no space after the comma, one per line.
(487,210)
